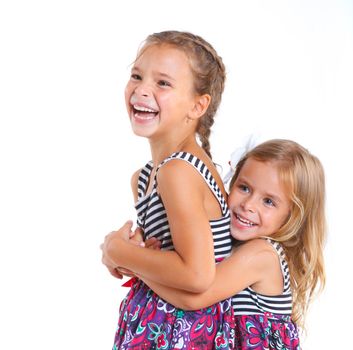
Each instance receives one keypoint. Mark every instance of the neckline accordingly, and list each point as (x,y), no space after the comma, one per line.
(209,180)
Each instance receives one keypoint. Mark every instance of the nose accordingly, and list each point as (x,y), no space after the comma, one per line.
(143,89)
(248,204)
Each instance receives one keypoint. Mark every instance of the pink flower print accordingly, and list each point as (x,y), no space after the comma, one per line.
(161,342)
(220,341)
(255,337)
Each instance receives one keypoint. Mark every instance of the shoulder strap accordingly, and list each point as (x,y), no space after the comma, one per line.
(283,262)
(199,165)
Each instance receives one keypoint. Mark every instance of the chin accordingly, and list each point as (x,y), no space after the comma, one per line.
(243,236)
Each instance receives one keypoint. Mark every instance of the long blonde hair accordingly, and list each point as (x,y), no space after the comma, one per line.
(303,235)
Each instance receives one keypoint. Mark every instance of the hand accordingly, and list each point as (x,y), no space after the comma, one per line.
(136,238)
(153,243)
(123,233)
(110,266)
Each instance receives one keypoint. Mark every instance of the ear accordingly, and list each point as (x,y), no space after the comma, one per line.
(200,107)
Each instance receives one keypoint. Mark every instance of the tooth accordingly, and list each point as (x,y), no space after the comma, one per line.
(245,221)
(144,109)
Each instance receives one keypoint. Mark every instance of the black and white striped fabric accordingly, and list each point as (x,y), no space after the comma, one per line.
(152,217)
(248,302)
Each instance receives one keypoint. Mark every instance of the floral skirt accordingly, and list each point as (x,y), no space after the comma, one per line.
(148,322)
(266,332)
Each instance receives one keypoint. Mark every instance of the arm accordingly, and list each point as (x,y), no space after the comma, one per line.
(136,237)
(253,264)
(191,266)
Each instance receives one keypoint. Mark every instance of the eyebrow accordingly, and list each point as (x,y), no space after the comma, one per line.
(164,75)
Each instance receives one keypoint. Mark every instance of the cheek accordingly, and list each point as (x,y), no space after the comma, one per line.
(127,90)
(231,200)
(236,197)
(285,218)
(277,221)
(168,97)
(127,94)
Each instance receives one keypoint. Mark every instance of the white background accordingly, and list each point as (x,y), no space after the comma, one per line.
(67,152)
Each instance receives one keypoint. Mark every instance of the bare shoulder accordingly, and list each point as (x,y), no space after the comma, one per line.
(176,171)
(258,250)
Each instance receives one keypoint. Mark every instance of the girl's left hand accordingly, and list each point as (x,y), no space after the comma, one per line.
(123,233)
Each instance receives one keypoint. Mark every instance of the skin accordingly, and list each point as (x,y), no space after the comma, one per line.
(257,197)
(258,202)
(163,107)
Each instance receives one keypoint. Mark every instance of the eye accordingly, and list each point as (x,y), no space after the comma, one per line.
(269,202)
(244,188)
(163,83)
(135,76)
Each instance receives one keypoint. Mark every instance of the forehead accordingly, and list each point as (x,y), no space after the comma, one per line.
(163,56)
(264,175)
(253,166)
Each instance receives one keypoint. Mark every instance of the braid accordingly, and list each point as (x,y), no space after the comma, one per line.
(204,131)
(208,70)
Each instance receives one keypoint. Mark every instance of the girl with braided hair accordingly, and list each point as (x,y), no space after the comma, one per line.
(172,96)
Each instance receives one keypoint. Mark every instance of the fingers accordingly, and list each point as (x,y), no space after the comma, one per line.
(124,233)
(127,226)
(137,235)
(139,232)
(115,273)
(150,242)
(125,272)
(138,243)
(153,243)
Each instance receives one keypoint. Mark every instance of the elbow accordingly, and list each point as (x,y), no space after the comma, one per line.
(200,283)
(199,286)
(183,299)
(194,301)
(190,303)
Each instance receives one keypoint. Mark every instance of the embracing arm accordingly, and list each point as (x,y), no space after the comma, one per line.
(249,265)
(191,266)
(137,238)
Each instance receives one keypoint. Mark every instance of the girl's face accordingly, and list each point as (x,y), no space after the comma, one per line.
(160,94)
(258,201)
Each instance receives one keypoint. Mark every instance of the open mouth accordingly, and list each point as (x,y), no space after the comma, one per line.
(244,222)
(144,113)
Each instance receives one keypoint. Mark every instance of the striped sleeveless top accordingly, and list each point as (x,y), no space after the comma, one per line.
(248,302)
(152,217)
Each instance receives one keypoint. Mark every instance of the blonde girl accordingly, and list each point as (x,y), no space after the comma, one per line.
(276,202)
(172,96)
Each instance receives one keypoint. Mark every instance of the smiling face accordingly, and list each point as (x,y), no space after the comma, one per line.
(258,201)
(160,93)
